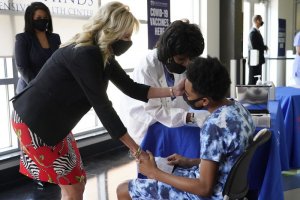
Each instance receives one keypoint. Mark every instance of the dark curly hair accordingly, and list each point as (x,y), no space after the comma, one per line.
(29,13)
(209,77)
(180,38)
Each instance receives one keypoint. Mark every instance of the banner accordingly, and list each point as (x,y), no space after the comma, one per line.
(81,8)
(281,37)
(158,19)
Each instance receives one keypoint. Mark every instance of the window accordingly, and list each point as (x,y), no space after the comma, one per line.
(8,140)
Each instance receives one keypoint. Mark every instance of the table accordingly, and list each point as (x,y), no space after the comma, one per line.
(265,169)
(269,159)
(289,99)
(163,141)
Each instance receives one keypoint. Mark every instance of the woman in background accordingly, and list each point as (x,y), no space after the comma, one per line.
(36,44)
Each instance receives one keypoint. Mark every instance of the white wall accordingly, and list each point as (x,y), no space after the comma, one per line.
(7,33)
(65,27)
(210,26)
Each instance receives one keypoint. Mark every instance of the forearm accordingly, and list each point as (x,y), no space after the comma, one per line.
(174,91)
(191,185)
(159,92)
(130,143)
(193,162)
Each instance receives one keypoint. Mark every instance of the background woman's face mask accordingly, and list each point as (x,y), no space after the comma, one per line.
(120,46)
(173,67)
(41,24)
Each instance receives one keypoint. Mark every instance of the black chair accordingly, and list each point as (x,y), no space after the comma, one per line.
(236,186)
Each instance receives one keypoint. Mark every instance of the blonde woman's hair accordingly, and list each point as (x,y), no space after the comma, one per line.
(111,22)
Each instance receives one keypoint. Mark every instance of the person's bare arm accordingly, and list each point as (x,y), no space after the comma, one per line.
(176,90)
(133,146)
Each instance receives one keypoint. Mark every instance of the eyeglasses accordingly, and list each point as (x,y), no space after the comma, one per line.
(191,101)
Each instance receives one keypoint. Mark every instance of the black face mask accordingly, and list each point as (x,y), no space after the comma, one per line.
(173,67)
(262,23)
(41,24)
(192,102)
(120,46)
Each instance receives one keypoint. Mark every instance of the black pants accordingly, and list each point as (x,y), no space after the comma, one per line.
(253,71)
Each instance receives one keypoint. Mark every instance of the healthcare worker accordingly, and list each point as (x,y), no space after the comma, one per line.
(164,66)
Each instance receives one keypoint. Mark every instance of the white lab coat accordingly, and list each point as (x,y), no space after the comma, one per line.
(137,115)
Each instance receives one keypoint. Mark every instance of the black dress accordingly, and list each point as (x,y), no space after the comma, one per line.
(31,56)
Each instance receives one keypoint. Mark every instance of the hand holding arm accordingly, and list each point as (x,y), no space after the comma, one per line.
(148,166)
(133,147)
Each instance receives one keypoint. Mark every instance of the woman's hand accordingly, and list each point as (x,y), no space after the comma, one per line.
(143,156)
(147,166)
(179,160)
(178,89)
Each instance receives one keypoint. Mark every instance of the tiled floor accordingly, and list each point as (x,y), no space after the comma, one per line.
(291,185)
(104,174)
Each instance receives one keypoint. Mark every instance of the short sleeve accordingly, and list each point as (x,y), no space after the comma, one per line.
(211,142)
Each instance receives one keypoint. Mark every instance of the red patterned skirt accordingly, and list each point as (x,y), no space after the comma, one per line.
(60,164)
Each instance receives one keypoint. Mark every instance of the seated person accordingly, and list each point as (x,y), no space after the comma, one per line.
(224,136)
(164,66)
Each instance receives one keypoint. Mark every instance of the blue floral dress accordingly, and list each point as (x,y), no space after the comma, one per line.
(223,138)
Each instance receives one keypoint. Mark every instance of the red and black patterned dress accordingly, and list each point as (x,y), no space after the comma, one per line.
(60,164)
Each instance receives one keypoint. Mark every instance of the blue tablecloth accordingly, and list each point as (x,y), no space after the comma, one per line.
(289,98)
(163,141)
(265,172)
(269,159)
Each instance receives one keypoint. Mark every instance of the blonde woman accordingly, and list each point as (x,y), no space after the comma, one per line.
(74,80)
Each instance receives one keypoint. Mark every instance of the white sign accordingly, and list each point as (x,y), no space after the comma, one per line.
(84,8)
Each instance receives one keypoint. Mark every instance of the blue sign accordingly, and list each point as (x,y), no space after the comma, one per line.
(281,37)
(158,19)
